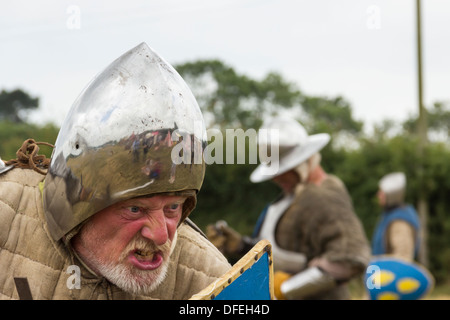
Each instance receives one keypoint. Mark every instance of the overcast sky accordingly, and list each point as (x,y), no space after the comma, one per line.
(362,50)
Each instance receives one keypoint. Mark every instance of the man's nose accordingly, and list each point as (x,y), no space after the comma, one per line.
(155,228)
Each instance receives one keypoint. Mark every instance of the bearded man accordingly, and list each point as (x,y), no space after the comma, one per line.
(95,226)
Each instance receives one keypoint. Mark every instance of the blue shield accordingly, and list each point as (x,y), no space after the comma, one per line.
(251,278)
(389,278)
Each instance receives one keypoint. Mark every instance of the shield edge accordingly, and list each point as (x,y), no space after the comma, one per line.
(245,263)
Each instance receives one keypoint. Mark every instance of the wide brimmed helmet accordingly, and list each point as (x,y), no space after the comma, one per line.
(135,130)
(293,143)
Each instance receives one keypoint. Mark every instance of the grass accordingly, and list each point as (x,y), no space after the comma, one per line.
(440,292)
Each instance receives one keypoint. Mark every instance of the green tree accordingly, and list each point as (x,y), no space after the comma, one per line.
(232,100)
(12,135)
(13,105)
(438,120)
(332,115)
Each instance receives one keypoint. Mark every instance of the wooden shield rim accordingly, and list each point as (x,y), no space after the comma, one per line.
(245,263)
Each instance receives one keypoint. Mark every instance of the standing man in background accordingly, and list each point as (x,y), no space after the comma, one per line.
(318,242)
(397,232)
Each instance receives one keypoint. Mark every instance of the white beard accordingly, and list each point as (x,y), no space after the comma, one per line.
(138,282)
(127,277)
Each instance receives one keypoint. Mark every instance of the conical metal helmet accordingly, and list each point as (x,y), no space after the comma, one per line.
(135,130)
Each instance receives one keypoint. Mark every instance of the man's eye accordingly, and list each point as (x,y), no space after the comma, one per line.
(134,209)
(173,208)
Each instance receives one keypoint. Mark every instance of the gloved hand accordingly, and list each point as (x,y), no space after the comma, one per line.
(226,239)
(278,278)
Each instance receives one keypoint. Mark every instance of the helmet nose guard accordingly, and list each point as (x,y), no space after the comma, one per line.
(135,130)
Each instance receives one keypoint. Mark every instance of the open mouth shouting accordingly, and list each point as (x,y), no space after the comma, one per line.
(145,259)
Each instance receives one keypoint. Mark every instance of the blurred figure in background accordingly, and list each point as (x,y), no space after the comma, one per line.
(393,273)
(318,242)
(397,232)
